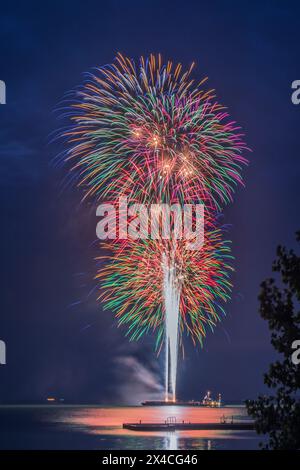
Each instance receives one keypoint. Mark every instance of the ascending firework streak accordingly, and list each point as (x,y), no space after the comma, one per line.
(145,280)
(171,294)
(148,132)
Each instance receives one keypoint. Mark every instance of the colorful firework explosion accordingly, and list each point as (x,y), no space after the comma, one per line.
(149,132)
(132,282)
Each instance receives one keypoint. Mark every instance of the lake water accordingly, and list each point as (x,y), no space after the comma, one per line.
(95,427)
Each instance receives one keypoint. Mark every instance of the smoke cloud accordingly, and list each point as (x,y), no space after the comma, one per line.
(138,382)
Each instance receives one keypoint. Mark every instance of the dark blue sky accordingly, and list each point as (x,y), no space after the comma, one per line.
(58,340)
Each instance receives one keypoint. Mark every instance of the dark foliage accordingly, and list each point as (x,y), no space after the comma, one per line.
(278,415)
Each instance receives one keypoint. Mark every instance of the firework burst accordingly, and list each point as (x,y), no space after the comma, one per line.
(132,279)
(148,131)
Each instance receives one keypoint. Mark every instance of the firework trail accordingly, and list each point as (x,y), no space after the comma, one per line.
(153,287)
(171,295)
(148,132)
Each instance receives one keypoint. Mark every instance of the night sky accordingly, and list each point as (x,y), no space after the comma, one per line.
(59,342)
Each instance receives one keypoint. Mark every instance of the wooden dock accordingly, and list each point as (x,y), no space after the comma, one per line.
(181,426)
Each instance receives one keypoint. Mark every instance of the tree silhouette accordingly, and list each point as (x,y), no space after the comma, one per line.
(278,415)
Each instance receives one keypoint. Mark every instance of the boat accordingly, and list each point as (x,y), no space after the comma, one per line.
(207,401)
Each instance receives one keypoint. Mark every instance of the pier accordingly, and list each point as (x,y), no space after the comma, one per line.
(173,425)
